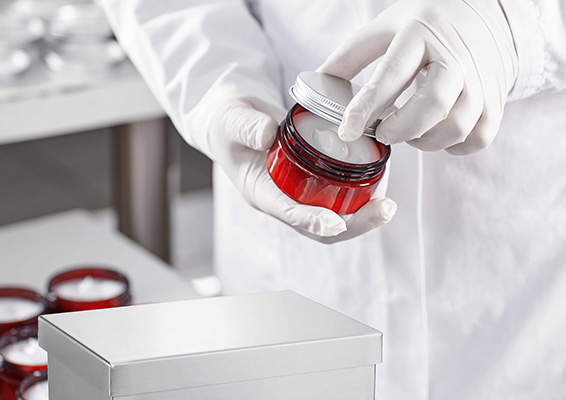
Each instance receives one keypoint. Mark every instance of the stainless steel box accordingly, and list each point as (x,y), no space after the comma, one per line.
(269,346)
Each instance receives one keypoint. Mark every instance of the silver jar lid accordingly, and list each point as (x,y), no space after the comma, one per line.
(326,96)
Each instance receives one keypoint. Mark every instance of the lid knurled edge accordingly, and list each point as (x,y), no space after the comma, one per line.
(311,105)
(305,91)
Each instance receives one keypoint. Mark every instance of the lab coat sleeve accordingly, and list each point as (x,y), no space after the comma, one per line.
(539,32)
(192,54)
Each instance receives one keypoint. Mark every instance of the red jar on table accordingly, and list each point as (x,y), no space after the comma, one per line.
(88,288)
(20,357)
(20,307)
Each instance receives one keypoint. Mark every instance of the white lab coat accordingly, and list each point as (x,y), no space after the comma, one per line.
(468,281)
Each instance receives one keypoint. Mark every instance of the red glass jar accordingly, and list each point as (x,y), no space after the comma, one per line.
(88,289)
(34,387)
(13,368)
(20,307)
(310,177)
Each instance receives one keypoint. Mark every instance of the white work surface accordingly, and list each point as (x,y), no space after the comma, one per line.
(42,103)
(33,251)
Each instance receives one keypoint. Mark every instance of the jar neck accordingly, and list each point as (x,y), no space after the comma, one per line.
(323,163)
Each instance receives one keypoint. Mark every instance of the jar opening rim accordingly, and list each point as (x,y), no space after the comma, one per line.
(377,166)
(81,273)
(15,292)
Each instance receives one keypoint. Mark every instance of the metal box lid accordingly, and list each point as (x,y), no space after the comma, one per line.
(167,346)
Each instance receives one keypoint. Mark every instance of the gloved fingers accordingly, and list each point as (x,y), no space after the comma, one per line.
(394,73)
(467,110)
(492,77)
(485,130)
(430,105)
(248,126)
(261,192)
(377,212)
(457,126)
(479,138)
(361,49)
(315,220)
(372,215)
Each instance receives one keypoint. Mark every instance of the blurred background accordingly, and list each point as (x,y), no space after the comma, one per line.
(80,130)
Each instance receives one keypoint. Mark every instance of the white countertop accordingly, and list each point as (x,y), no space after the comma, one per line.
(33,251)
(42,103)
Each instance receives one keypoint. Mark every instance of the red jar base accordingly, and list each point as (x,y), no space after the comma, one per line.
(12,375)
(305,187)
(26,294)
(9,388)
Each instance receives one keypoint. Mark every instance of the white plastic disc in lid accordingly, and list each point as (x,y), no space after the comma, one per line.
(85,58)
(326,96)
(13,63)
(80,22)
(18,33)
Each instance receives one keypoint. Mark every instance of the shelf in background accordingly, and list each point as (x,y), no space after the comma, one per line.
(45,103)
(34,250)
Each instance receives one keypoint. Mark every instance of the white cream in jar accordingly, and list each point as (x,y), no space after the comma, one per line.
(323,136)
(13,309)
(25,352)
(89,289)
(39,391)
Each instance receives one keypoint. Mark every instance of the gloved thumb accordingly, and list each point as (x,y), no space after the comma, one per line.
(250,127)
(347,61)
(372,215)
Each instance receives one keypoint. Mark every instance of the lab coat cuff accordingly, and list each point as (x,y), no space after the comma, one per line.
(524,20)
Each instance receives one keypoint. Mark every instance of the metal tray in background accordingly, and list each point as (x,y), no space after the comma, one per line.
(84,58)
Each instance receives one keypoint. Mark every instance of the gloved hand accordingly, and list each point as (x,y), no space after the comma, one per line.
(375,213)
(240,131)
(466,50)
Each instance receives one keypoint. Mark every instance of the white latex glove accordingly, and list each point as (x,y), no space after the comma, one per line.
(240,131)
(219,86)
(465,48)
(375,213)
